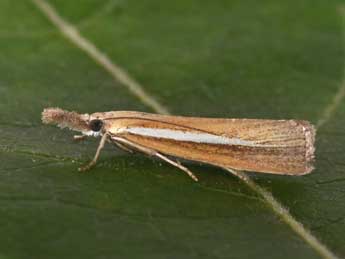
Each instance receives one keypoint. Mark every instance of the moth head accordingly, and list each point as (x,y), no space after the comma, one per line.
(83,123)
(95,126)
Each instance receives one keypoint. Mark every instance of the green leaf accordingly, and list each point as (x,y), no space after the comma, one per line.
(245,59)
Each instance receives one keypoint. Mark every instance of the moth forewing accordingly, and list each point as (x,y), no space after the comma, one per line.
(268,146)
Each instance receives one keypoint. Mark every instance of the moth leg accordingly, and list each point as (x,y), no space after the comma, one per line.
(94,160)
(178,165)
(122,146)
(79,137)
(152,152)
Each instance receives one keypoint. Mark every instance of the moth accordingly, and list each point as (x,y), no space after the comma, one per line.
(284,147)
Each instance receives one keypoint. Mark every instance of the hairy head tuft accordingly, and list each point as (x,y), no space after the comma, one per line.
(65,119)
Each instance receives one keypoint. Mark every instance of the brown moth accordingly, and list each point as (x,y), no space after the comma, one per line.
(284,147)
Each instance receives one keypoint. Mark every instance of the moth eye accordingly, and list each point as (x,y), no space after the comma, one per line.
(96,125)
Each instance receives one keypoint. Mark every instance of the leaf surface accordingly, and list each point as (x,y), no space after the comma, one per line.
(241,59)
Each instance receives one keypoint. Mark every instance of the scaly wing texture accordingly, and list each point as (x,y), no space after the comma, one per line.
(275,146)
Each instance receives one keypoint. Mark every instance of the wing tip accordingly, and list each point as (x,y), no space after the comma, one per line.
(309,133)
